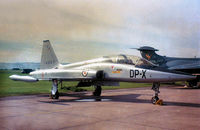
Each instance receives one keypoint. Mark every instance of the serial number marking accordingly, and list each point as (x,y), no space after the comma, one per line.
(135,73)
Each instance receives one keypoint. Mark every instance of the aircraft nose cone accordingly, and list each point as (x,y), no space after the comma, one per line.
(186,77)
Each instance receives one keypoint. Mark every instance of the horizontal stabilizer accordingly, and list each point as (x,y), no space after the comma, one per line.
(186,66)
(145,48)
(23,78)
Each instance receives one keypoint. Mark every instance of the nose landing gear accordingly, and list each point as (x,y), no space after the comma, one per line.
(155,99)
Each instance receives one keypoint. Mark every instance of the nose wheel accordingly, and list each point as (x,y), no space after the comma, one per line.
(154,99)
(155,88)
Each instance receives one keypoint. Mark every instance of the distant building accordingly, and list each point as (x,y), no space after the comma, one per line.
(15,69)
(26,71)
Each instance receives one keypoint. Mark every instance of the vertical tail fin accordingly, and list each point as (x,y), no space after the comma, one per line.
(149,53)
(48,58)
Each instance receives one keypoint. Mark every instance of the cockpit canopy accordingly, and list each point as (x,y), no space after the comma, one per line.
(118,59)
(129,59)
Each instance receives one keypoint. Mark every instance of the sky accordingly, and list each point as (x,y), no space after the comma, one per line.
(86,29)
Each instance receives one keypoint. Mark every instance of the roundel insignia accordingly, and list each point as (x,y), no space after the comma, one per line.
(84,73)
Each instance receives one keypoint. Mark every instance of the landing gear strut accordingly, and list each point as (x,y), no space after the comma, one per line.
(97,91)
(155,88)
(54,90)
(61,85)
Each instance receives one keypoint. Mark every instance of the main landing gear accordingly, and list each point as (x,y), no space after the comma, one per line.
(54,90)
(155,88)
(97,91)
(192,84)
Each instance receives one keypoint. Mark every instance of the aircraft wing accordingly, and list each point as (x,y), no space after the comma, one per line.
(69,74)
(185,66)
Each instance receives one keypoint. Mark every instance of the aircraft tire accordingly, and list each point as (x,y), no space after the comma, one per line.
(56,96)
(154,99)
(192,84)
(97,91)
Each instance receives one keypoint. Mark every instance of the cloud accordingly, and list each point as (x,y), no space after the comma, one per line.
(99,27)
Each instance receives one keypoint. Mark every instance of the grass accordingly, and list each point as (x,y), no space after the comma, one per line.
(11,88)
(14,88)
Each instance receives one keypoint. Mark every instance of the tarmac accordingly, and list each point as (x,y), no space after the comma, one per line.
(115,110)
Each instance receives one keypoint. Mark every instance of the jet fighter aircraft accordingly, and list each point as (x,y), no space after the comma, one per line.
(188,65)
(104,71)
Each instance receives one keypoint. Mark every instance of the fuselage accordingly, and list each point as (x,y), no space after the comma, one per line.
(120,68)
